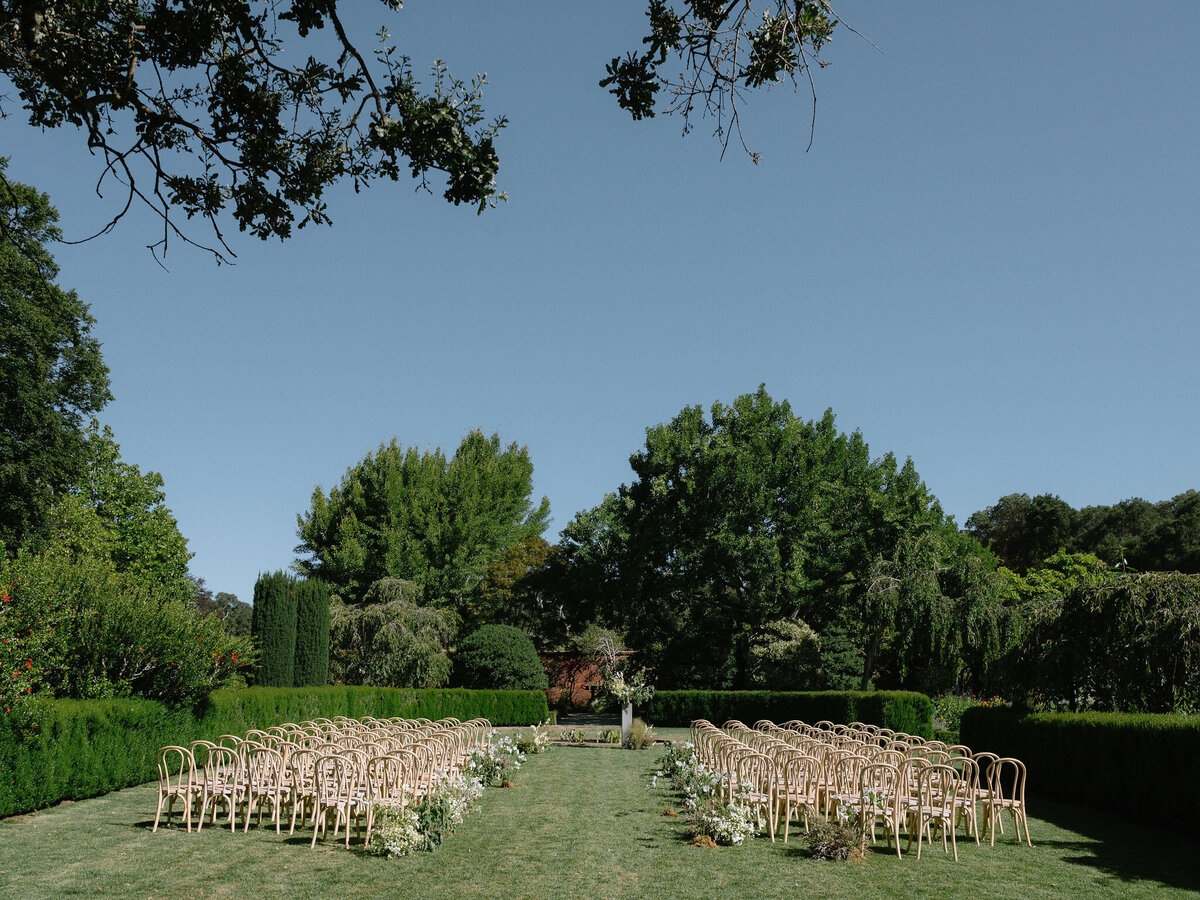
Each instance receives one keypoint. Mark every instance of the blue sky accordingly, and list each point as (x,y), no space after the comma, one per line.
(988,261)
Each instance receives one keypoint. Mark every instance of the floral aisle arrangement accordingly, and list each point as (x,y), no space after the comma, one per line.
(425,824)
(493,763)
(625,689)
(711,814)
(536,740)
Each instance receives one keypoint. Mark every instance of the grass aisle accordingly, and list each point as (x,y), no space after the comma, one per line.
(581,822)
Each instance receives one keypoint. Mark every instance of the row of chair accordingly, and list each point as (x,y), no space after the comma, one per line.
(796,771)
(341,768)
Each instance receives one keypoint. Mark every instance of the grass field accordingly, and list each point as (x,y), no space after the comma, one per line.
(581,822)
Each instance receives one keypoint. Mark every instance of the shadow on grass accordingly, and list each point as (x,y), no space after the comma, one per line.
(1122,848)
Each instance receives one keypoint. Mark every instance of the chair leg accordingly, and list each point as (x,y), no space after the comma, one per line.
(158,813)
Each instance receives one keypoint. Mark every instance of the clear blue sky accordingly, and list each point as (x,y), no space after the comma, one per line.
(988,261)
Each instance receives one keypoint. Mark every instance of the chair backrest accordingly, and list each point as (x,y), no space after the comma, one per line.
(176,768)
(222,767)
(879,787)
(336,778)
(1006,779)
(263,768)
(389,779)
(938,786)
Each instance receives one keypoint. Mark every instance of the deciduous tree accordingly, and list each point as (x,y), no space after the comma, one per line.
(52,377)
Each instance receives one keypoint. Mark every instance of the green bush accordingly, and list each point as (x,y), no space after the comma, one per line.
(76,627)
(899,710)
(1142,765)
(82,748)
(499,657)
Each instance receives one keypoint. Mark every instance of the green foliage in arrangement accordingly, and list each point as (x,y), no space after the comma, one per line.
(899,710)
(82,749)
(499,657)
(440,523)
(390,641)
(312,634)
(1141,765)
(274,629)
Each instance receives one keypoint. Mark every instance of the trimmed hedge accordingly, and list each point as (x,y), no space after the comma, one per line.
(84,748)
(899,710)
(1142,765)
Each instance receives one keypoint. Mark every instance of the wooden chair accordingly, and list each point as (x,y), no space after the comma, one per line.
(881,798)
(1006,791)
(336,783)
(223,782)
(935,806)
(176,781)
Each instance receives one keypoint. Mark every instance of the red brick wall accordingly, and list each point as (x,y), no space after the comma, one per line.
(570,673)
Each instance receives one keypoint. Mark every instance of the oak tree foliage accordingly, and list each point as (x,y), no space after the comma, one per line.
(255,109)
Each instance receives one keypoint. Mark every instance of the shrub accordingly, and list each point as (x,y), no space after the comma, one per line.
(499,657)
(1115,761)
(640,737)
(899,710)
(79,628)
(273,626)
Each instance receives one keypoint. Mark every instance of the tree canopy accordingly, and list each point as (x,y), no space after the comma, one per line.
(256,109)
(1134,534)
(749,516)
(52,377)
(439,523)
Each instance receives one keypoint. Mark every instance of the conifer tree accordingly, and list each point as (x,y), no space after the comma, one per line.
(312,633)
(274,629)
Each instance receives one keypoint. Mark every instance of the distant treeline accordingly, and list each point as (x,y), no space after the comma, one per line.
(1134,534)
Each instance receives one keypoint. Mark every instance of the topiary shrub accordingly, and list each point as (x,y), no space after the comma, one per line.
(499,657)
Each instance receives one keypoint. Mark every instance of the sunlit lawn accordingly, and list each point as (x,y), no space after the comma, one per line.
(581,822)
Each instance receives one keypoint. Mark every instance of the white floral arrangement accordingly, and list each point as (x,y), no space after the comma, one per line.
(628,690)
(397,831)
(495,760)
(728,824)
(536,741)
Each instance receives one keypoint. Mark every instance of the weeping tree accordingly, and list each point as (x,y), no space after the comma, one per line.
(389,640)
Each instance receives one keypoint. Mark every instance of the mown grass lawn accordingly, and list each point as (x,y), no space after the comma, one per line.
(581,822)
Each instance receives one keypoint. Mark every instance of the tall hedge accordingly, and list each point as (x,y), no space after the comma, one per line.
(311,665)
(84,748)
(273,626)
(899,710)
(1142,765)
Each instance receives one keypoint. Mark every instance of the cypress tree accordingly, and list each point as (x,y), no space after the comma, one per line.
(312,633)
(273,625)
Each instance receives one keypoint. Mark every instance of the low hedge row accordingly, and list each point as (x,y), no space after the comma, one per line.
(899,710)
(83,748)
(1139,765)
